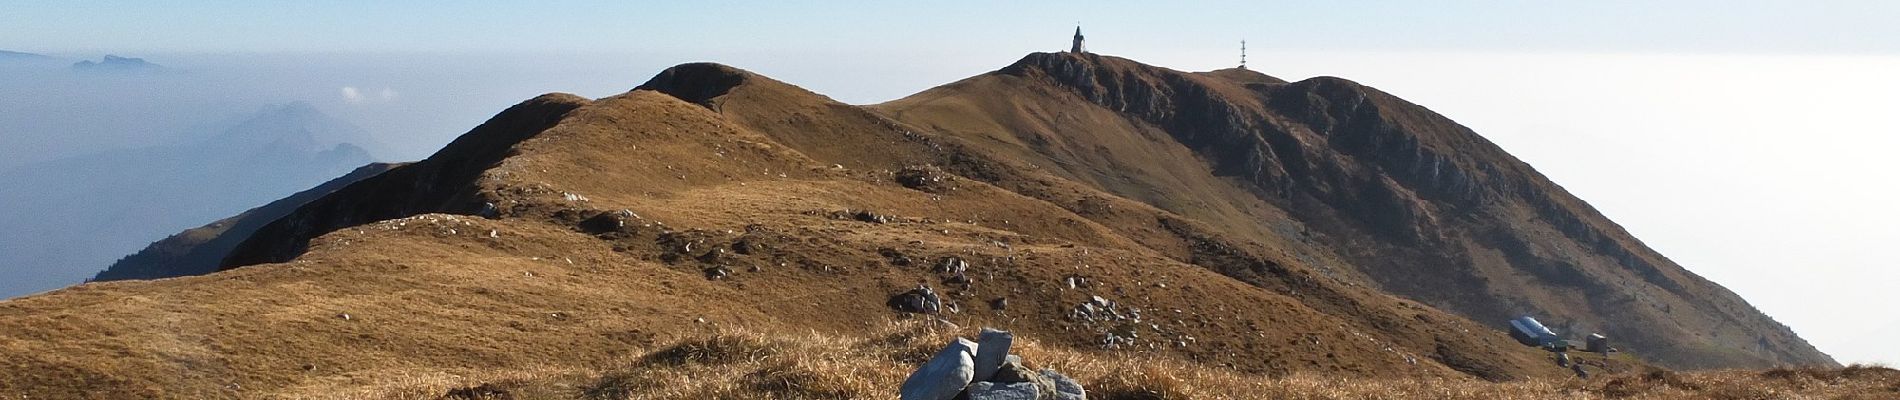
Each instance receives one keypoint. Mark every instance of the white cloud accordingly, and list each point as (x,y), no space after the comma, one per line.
(351,94)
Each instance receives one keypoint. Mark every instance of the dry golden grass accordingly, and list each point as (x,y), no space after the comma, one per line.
(739,364)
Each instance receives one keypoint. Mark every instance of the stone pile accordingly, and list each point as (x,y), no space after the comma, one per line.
(984,370)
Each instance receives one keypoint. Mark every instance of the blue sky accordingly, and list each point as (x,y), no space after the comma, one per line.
(795,27)
(1745,139)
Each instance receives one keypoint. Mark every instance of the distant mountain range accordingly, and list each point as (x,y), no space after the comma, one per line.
(108,64)
(66,218)
(112,63)
(14,55)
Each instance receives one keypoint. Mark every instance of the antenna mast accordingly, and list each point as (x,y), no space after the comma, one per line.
(1243,54)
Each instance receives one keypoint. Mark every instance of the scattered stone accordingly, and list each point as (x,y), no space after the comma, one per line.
(952,265)
(745,247)
(344,316)
(992,348)
(921,300)
(896,257)
(944,376)
(717,255)
(957,279)
(490,211)
(718,273)
(603,223)
(871,217)
(999,304)
(485,391)
(927,178)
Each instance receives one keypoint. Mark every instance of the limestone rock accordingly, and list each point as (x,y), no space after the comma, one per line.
(1015,372)
(1066,388)
(944,376)
(1004,391)
(992,348)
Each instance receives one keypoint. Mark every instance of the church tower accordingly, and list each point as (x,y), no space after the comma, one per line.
(1077,46)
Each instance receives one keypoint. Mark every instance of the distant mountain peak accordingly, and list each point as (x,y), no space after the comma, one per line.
(298,124)
(697,83)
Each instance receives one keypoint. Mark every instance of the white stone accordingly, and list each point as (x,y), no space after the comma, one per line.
(1003,391)
(1066,388)
(944,376)
(992,349)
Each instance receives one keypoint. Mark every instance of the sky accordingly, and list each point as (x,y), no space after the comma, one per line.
(1747,140)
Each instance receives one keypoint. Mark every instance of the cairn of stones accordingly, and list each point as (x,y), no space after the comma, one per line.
(984,370)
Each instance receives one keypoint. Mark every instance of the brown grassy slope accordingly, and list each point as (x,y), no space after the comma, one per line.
(737,364)
(1344,175)
(846,134)
(430,295)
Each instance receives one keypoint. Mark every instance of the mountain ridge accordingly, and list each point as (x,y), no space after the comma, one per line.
(1226,219)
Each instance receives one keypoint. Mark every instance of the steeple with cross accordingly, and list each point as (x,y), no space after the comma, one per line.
(1077,47)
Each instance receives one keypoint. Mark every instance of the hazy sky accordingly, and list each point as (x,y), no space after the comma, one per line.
(1748,140)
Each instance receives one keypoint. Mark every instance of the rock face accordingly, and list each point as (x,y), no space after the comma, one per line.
(1355,182)
(944,376)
